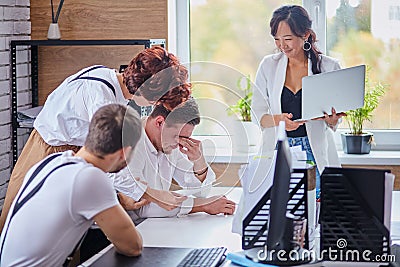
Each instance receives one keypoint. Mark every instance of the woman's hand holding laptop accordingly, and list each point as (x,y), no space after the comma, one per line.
(331,120)
(290,125)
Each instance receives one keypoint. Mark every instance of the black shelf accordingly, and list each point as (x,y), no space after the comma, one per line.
(34,45)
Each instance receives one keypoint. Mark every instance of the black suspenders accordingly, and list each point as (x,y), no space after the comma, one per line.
(20,202)
(79,77)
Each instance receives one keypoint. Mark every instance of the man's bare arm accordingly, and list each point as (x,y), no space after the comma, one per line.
(120,230)
(129,203)
(165,199)
(214,205)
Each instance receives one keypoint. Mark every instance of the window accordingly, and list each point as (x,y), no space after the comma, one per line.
(394,12)
(364,32)
(234,33)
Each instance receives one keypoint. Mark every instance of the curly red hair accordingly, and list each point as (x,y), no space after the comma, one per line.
(158,76)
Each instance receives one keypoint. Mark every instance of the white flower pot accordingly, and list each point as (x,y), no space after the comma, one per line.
(246,137)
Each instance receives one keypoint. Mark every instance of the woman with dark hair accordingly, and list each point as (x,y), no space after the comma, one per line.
(153,76)
(279,86)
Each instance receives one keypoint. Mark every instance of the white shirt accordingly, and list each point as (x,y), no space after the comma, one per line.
(65,117)
(270,79)
(48,226)
(157,170)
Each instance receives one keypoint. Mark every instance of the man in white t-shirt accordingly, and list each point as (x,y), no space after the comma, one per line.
(165,151)
(62,195)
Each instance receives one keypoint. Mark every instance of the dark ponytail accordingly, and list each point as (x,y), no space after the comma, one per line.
(314,54)
(300,24)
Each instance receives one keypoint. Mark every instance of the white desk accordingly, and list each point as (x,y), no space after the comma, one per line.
(195,230)
(203,230)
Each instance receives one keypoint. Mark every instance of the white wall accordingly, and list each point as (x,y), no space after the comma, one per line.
(381,26)
(14,24)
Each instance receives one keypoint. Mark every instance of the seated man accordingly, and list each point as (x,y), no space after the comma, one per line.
(62,195)
(167,151)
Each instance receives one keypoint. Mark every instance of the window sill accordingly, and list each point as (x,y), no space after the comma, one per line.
(374,158)
(218,149)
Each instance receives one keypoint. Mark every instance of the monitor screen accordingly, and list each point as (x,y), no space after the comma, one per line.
(279,198)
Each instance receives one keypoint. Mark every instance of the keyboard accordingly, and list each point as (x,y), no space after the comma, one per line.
(207,257)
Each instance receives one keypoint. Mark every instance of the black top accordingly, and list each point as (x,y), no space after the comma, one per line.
(291,103)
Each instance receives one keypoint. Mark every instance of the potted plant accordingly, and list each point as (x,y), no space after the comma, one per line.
(357,141)
(242,108)
(244,129)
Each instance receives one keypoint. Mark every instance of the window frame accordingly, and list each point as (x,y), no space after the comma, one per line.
(179,44)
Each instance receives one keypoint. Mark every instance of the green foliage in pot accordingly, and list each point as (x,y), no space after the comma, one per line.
(373,94)
(242,108)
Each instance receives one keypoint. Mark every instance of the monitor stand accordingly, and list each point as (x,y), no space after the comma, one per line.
(290,258)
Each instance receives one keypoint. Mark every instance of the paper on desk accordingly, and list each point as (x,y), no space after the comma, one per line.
(395,232)
(299,157)
(256,178)
(389,181)
(199,191)
(298,154)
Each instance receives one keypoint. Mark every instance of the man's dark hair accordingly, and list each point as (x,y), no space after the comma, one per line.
(113,127)
(185,113)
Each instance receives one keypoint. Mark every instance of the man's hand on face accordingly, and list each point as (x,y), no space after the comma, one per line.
(191,148)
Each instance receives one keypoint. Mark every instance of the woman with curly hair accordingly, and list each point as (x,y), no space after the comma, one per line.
(154,76)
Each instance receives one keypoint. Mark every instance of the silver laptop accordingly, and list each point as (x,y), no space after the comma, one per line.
(342,89)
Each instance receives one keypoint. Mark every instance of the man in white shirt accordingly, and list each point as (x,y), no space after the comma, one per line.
(167,151)
(64,120)
(64,194)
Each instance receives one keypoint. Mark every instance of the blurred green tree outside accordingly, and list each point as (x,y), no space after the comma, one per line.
(350,40)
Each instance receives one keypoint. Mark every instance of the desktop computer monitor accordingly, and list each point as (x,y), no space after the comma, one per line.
(280,248)
(277,232)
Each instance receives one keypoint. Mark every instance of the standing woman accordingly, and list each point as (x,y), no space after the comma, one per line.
(279,87)
(153,76)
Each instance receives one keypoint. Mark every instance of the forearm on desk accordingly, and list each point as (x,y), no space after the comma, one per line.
(154,211)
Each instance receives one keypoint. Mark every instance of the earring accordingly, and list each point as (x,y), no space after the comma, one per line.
(306,46)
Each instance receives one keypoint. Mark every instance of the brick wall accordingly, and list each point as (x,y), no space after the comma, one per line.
(14,24)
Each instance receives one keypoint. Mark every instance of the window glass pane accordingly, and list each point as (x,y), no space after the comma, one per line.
(368,32)
(234,33)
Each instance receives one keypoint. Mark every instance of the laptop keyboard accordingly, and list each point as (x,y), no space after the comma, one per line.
(208,257)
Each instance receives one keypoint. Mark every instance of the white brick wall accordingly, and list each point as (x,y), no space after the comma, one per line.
(14,25)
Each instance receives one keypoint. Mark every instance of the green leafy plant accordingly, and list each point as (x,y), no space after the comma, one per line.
(373,93)
(243,106)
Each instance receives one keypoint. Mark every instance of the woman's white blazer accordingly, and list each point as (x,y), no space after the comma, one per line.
(270,79)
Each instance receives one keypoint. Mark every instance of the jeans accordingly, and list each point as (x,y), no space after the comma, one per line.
(305,146)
